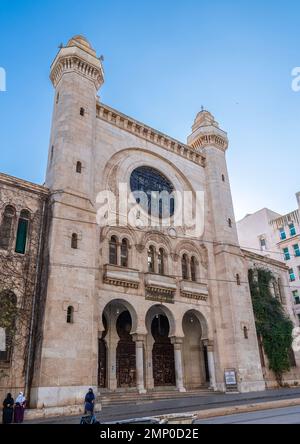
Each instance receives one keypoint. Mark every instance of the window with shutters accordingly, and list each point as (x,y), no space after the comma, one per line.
(22,232)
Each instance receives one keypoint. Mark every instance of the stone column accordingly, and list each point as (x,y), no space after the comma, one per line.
(211,364)
(149,363)
(139,352)
(177,342)
(112,344)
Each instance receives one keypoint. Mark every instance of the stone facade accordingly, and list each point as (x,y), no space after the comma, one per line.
(142,320)
(19,275)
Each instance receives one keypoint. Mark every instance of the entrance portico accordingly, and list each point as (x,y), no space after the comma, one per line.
(157,358)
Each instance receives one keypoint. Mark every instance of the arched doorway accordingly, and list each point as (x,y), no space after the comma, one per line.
(194,353)
(102,354)
(125,359)
(162,353)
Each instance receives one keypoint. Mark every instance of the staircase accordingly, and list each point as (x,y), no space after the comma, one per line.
(120,397)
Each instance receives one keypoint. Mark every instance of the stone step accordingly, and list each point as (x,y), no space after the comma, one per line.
(117,398)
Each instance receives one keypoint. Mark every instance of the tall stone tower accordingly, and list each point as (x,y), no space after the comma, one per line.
(237,346)
(68,357)
(77,75)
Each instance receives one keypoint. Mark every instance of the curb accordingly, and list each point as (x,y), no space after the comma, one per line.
(248,408)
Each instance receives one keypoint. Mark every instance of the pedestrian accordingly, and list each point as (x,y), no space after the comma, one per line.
(8,409)
(19,409)
(89,402)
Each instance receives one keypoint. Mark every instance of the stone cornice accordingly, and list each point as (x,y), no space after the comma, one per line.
(267,260)
(210,139)
(73,59)
(23,185)
(145,132)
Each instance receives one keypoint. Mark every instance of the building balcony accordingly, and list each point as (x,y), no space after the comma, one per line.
(160,288)
(121,276)
(194,290)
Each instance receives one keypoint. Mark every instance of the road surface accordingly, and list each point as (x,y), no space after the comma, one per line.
(290,415)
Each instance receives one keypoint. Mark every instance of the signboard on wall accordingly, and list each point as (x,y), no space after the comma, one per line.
(231,380)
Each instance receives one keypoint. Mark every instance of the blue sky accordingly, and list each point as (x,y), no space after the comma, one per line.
(163,60)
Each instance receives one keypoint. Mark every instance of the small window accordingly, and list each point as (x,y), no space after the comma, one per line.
(230,223)
(51,153)
(246,333)
(79,167)
(113,251)
(292,275)
(296,297)
(151,259)
(263,244)
(238,279)
(194,269)
(223,178)
(70,315)
(282,233)
(22,232)
(124,253)
(184,266)
(57,97)
(74,242)
(6,227)
(296,250)
(292,230)
(82,112)
(286,253)
(161,262)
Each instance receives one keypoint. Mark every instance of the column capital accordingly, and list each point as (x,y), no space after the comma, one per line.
(177,342)
(137,337)
(209,343)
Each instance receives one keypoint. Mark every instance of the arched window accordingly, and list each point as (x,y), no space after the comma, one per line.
(238,279)
(22,232)
(124,253)
(161,262)
(149,181)
(79,167)
(6,227)
(184,266)
(194,269)
(223,178)
(70,315)
(151,259)
(8,306)
(113,251)
(74,241)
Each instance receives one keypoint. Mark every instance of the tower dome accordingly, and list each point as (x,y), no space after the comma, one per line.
(81,42)
(79,39)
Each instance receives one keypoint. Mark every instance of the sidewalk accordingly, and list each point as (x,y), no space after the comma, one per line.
(186,405)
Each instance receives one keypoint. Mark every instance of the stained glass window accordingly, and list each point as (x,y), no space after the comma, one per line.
(149,180)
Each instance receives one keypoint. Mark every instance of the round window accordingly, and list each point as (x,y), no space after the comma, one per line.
(153,191)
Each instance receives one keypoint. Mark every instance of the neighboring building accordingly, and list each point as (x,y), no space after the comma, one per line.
(278,237)
(22,215)
(125,309)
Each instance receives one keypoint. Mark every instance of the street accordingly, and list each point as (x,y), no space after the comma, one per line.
(182,405)
(290,415)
